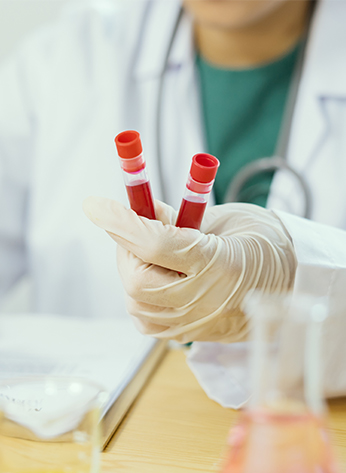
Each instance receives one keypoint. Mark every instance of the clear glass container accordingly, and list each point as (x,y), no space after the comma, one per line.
(283,428)
(50,425)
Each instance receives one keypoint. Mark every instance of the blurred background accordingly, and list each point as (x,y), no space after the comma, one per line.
(18,18)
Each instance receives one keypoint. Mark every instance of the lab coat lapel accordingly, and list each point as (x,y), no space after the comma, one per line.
(180,128)
(309,151)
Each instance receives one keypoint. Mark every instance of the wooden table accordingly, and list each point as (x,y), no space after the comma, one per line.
(174,427)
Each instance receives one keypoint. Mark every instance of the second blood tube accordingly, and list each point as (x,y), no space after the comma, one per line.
(198,188)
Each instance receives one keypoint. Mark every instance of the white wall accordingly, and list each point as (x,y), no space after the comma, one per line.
(19,17)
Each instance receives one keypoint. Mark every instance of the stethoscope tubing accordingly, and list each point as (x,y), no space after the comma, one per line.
(274,163)
(159,152)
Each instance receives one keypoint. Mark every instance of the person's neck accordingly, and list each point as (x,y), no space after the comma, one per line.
(254,44)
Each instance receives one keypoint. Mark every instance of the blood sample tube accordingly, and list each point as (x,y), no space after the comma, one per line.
(130,151)
(198,187)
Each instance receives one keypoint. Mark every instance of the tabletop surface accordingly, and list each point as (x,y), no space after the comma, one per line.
(174,427)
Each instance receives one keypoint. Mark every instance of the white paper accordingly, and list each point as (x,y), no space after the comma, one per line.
(222,371)
(106,352)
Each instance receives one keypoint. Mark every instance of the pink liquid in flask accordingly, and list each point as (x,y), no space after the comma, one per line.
(278,443)
(198,187)
(136,179)
(283,428)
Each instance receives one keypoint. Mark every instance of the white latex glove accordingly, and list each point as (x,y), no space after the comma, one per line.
(240,247)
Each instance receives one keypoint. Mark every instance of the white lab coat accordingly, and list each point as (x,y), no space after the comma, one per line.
(96,72)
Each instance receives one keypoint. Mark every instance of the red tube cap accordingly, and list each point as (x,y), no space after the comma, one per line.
(128,144)
(204,167)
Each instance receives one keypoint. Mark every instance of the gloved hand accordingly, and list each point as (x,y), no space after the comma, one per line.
(189,285)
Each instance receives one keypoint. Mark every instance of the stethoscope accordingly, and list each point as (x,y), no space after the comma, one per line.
(277,162)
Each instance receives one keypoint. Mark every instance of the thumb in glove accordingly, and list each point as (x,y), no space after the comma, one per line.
(188,285)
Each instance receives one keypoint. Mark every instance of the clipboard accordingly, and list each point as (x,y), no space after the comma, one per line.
(111,353)
(120,407)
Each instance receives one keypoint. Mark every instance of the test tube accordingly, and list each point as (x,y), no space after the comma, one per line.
(130,151)
(198,187)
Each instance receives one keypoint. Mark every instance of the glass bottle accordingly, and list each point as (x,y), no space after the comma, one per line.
(283,428)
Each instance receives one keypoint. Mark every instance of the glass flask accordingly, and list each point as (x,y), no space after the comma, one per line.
(283,428)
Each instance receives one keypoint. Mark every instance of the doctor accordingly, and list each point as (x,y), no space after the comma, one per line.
(240,247)
(74,85)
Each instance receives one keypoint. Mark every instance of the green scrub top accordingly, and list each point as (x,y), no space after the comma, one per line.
(243,111)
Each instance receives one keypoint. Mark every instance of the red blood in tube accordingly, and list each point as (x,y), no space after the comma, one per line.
(191,214)
(141,199)
(201,177)
(129,147)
